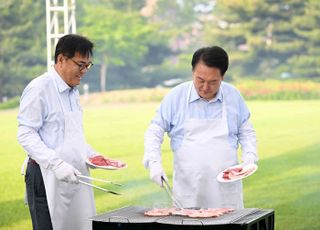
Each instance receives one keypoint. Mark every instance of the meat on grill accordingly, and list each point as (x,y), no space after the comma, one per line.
(195,213)
(159,212)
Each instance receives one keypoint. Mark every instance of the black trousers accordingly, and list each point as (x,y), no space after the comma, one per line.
(37,199)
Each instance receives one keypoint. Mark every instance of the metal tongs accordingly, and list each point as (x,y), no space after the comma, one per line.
(168,190)
(97,187)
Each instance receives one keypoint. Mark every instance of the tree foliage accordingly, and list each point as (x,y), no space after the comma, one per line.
(138,44)
(22,50)
(268,38)
(143,43)
(121,38)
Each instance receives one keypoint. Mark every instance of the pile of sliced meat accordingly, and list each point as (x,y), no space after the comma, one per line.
(100,160)
(194,213)
(238,172)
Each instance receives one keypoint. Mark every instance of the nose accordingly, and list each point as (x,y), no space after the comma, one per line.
(205,86)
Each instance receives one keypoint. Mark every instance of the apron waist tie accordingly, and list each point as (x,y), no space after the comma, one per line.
(31,161)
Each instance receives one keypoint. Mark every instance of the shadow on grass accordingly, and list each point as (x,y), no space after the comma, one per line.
(289,184)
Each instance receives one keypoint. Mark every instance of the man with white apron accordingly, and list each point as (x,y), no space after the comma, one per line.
(51,131)
(206,119)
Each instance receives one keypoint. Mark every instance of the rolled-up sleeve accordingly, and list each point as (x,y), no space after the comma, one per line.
(30,120)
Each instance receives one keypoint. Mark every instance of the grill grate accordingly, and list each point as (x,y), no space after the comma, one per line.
(131,214)
(134,214)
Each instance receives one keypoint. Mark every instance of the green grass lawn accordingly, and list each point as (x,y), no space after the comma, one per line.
(288,178)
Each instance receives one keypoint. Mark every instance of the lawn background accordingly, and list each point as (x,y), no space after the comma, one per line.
(288,179)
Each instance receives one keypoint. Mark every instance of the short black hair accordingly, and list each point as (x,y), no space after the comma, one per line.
(70,44)
(213,56)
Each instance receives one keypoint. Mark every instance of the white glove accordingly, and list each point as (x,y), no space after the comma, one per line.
(156,172)
(67,173)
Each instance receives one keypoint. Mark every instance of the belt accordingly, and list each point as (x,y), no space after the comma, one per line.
(31,161)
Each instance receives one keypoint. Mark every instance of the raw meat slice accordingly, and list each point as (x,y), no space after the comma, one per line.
(159,212)
(206,213)
(100,160)
(234,173)
(183,212)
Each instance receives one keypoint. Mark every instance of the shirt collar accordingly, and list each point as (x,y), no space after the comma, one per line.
(195,96)
(62,86)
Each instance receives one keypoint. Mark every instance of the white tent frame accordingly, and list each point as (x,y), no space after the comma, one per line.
(59,13)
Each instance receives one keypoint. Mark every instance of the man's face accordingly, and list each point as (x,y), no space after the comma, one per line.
(73,69)
(207,80)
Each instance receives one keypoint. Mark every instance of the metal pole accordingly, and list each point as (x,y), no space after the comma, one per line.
(58,15)
(48,34)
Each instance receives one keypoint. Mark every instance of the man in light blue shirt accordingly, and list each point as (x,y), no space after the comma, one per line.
(206,120)
(51,132)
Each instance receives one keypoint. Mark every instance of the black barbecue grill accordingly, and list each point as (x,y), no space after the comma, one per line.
(133,218)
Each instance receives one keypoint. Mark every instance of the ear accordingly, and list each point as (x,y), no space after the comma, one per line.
(60,58)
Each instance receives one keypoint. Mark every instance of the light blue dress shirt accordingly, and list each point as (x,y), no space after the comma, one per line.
(173,111)
(41,118)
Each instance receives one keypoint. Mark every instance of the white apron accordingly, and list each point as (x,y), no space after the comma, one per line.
(70,205)
(204,152)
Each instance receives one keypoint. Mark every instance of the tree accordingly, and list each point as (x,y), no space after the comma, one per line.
(264,37)
(121,38)
(307,26)
(22,50)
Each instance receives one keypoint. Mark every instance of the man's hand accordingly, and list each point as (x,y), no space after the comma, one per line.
(156,172)
(67,173)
